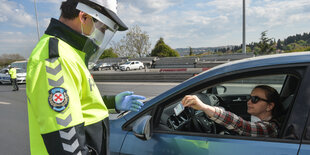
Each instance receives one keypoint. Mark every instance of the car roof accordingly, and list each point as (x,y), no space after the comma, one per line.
(266,60)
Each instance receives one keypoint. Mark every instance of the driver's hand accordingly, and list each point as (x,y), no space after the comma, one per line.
(193,101)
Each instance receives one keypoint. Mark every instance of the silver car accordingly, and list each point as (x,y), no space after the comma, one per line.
(4,77)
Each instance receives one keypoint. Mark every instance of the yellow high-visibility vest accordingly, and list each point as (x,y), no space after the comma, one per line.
(61,92)
(12,72)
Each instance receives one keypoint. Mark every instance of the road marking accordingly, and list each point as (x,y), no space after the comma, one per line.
(5,103)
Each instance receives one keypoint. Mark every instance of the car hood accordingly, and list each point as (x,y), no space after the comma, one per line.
(4,75)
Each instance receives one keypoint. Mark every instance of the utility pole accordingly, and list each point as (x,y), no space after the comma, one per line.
(243,30)
(35,9)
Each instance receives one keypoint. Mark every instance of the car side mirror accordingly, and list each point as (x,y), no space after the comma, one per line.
(142,128)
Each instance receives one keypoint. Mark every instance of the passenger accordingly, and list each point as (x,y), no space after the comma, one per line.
(264,103)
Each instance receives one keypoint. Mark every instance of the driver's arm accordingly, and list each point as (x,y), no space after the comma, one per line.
(232,121)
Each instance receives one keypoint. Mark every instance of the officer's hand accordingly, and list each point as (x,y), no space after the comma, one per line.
(127,101)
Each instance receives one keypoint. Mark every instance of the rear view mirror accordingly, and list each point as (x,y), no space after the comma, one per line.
(217,90)
(221,89)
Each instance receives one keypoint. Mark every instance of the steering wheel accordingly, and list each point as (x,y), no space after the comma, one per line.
(201,122)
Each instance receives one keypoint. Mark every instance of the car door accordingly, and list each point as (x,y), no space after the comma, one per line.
(163,140)
(305,146)
(165,143)
(132,65)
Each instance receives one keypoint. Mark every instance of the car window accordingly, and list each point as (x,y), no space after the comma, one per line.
(232,95)
(20,70)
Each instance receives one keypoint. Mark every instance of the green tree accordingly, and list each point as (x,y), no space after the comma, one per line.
(108,53)
(266,44)
(248,49)
(279,45)
(190,51)
(163,50)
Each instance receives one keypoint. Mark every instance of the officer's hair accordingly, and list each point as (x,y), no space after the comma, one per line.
(69,11)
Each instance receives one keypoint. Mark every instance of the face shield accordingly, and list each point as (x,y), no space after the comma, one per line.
(102,32)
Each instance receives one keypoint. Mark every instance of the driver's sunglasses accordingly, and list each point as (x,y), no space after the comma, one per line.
(255,99)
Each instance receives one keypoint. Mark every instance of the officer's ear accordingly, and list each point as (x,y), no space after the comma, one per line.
(83,17)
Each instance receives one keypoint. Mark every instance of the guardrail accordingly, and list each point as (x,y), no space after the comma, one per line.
(170,75)
(142,76)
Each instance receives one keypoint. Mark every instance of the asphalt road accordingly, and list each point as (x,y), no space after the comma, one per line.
(14,138)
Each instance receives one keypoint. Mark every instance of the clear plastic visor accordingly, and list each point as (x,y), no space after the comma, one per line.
(101,36)
(102,32)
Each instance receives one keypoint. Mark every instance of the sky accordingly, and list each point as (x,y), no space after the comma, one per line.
(182,23)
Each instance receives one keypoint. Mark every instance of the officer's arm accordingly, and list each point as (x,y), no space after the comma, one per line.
(109,101)
(55,106)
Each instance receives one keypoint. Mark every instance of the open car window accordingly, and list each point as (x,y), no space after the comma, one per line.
(231,95)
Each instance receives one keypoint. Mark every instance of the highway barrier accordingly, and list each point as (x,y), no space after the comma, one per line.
(142,76)
(168,75)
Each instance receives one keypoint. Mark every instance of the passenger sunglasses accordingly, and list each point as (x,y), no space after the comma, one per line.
(255,99)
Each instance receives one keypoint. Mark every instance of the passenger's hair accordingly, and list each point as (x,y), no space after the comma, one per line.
(272,96)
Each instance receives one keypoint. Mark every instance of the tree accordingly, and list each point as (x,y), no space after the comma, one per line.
(279,45)
(108,53)
(119,48)
(266,44)
(190,51)
(163,50)
(135,44)
(6,59)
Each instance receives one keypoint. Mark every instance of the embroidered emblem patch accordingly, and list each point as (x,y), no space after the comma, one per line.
(58,99)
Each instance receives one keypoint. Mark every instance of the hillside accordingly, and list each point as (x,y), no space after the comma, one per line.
(295,43)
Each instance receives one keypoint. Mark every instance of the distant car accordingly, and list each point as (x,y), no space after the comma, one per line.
(6,78)
(21,75)
(102,66)
(131,65)
(157,129)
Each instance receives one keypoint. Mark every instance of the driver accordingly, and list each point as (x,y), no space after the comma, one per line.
(264,103)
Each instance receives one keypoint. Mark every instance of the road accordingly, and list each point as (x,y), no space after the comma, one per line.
(13,111)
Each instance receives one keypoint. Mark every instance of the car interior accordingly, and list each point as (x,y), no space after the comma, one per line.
(232,95)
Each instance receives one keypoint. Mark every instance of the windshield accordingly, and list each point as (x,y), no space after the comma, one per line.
(19,65)
(128,62)
(19,70)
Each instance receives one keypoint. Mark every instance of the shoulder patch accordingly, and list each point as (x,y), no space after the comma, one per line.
(53,48)
(58,99)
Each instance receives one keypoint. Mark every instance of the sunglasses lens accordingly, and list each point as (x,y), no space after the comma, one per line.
(254,99)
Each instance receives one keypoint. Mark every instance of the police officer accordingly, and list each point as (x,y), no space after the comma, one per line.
(12,72)
(67,114)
